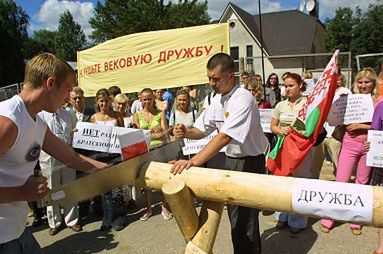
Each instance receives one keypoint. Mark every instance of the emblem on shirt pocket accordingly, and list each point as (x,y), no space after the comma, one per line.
(226,114)
(33,153)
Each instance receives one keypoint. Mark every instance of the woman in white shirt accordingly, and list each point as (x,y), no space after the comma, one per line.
(183,112)
(113,203)
(121,105)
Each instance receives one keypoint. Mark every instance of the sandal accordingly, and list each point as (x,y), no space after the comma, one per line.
(356,231)
(167,215)
(146,216)
(325,229)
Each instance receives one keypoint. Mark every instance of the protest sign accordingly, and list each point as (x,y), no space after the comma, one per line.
(133,144)
(375,155)
(266,115)
(97,137)
(351,108)
(159,59)
(194,146)
(338,201)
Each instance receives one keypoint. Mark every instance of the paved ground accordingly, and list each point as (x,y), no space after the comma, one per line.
(157,236)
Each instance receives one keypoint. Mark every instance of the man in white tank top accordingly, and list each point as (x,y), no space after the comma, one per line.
(48,81)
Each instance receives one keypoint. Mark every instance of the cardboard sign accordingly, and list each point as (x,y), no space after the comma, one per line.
(133,144)
(375,154)
(352,108)
(194,146)
(266,115)
(339,201)
(97,137)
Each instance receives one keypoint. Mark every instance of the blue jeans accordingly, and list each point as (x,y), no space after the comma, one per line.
(25,244)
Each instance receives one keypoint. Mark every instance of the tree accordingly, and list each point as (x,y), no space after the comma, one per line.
(358,32)
(69,38)
(339,30)
(13,29)
(42,41)
(368,33)
(121,17)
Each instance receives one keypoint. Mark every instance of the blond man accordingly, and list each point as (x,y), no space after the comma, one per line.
(47,83)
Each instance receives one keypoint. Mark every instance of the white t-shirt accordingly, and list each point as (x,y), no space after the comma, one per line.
(237,115)
(136,106)
(17,164)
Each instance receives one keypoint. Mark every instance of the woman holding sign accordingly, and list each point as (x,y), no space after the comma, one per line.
(113,204)
(284,116)
(352,151)
(153,119)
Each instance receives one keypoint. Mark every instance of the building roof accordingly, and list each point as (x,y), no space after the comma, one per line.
(284,33)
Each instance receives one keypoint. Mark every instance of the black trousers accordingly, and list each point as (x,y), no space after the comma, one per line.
(243,220)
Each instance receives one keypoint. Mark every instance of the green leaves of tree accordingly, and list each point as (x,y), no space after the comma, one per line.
(356,32)
(121,17)
(13,30)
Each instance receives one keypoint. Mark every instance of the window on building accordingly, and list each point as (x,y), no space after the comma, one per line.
(234,52)
(249,50)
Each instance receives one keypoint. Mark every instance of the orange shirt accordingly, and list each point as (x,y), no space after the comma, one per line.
(380,89)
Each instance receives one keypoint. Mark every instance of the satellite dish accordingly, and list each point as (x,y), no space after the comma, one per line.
(302,6)
(310,5)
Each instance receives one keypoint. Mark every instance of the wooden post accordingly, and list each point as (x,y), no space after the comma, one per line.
(181,203)
(264,192)
(210,217)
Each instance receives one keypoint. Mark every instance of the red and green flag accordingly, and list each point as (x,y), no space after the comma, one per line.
(290,150)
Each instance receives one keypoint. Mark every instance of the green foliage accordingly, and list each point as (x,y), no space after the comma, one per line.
(121,17)
(13,29)
(69,38)
(42,41)
(358,32)
(368,34)
(338,30)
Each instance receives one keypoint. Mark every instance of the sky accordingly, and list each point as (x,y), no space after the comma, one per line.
(44,14)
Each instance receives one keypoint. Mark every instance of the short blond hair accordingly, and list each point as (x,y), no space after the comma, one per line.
(43,66)
(121,98)
(369,74)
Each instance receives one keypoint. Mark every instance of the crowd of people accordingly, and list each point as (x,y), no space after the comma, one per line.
(49,107)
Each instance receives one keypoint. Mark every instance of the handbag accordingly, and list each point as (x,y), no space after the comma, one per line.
(339,132)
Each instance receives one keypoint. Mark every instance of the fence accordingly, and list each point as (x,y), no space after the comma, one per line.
(315,63)
(8,92)
(369,60)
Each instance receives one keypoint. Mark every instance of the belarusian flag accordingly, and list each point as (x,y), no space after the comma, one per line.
(290,150)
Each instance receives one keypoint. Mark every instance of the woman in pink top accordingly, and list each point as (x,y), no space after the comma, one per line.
(353,152)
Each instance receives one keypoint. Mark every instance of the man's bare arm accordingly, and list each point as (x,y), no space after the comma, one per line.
(35,187)
(67,156)
(180,131)
(208,152)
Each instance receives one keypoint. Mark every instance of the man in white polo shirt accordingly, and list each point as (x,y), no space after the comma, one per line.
(236,116)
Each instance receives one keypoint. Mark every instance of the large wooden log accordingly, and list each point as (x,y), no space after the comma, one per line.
(258,191)
(209,219)
(180,201)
